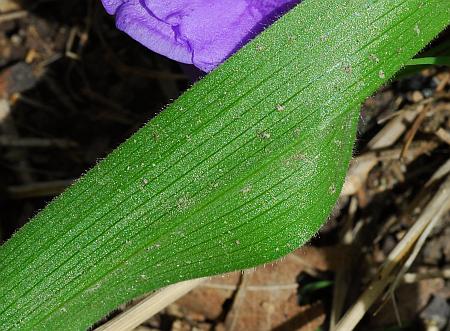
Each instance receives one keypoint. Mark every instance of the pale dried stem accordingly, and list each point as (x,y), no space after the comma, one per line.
(443,171)
(343,275)
(150,306)
(437,206)
(413,130)
(434,210)
(233,315)
(411,278)
(13,15)
(444,135)
(418,246)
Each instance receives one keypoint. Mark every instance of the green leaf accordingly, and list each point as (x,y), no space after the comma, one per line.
(312,287)
(432,60)
(240,170)
(439,51)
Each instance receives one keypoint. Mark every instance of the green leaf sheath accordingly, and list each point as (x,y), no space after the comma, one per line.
(240,170)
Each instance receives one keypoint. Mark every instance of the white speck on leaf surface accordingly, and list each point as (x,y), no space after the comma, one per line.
(374,58)
(417,29)
(265,135)
(332,189)
(281,108)
(246,189)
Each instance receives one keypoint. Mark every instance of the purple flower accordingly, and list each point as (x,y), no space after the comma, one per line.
(199,32)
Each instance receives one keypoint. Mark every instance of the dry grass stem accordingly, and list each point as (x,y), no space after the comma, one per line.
(150,306)
(343,274)
(410,278)
(13,15)
(232,317)
(444,135)
(434,210)
(413,130)
(443,171)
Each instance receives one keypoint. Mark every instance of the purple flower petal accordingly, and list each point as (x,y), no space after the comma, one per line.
(199,32)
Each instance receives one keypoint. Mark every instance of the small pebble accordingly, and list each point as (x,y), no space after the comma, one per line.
(417,96)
